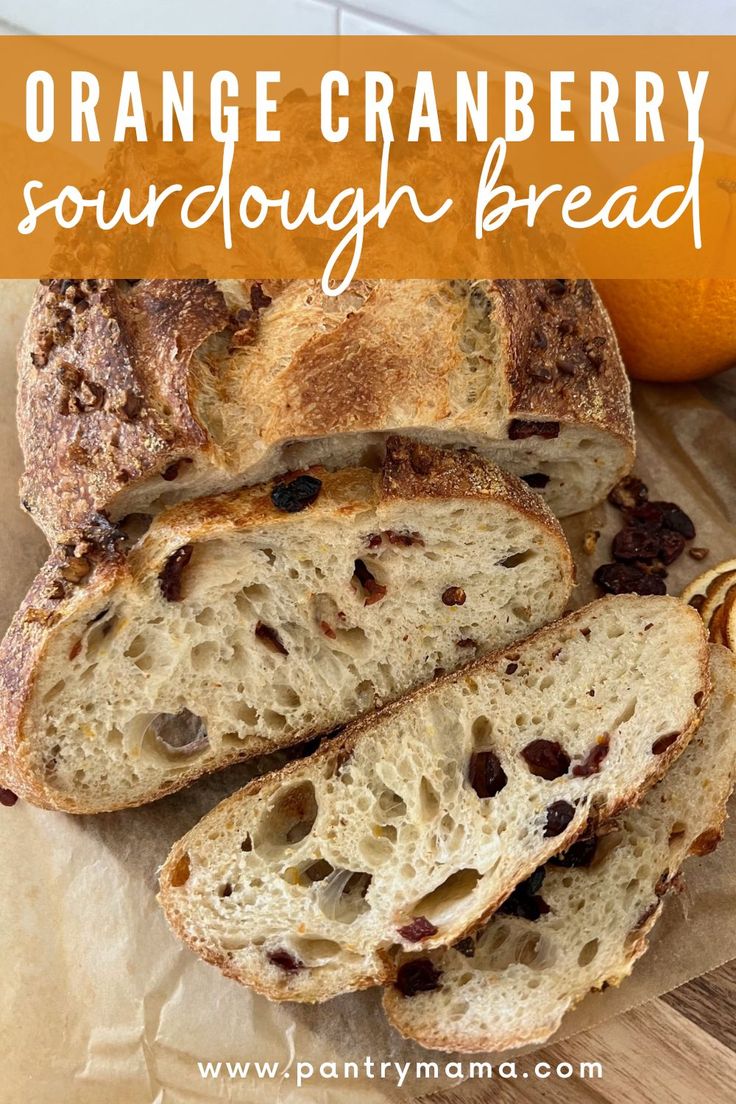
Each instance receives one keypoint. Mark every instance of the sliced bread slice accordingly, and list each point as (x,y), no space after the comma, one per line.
(583,921)
(416,824)
(252,621)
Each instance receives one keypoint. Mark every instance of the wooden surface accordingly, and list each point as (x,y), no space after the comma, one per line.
(679,1049)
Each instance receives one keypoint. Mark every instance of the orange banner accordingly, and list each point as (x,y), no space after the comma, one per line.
(381,157)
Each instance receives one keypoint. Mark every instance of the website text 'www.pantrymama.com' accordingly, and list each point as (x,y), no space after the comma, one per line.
(398,1073)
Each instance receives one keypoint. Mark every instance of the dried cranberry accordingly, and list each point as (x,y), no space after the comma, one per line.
(258,298)
(559,815)
(546,759)
(671,546)
(465,946)
(525,900)
(7,798)
(485,774)
(420,975)
(675,518)
(538,480)
(581,853)
(636,542)
(373,589)
(616,578)
(591,764)
(170,576)
(556,288)
(454,596)
(284,960)
(628,493)
(665,515)
(521,428)
(297,494)
(420,928)
(270,638)
(659,746)
(404,540)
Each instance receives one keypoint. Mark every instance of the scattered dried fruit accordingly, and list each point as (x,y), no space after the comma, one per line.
(7,798)
(297,494)
(420,928)
(546,759)
(170,576)
(593,761)
(616,578)
(485,774)
(465,946)
(665,515)
(525,901)
(270,638)
(559,815)
(635,542)
(419,975)
(628,493)
(258,298)
(284,960)
(581,853)
(454,596)
(698,553)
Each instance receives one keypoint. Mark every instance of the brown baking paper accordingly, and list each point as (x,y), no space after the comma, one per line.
(101,1005)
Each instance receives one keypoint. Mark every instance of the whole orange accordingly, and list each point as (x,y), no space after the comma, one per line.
(673,330)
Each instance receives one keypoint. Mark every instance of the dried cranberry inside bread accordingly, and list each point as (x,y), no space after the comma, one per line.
(134,395)
(416,824)
(252,621)
(583,920)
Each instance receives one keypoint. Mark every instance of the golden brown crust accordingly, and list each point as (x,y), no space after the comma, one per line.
(111,376)
(563,360)
(53,599)
(103,391)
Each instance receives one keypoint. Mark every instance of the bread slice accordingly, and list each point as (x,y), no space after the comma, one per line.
(415,824)
(236,626)
(510,984)
(134,395)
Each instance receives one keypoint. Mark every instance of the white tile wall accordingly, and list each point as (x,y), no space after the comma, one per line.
(307,17)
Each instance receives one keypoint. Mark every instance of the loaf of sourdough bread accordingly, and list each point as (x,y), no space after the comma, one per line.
(256,620)
(134,395)
(586,922)
(416,824)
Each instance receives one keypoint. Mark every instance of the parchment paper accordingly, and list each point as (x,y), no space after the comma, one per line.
(100,1005)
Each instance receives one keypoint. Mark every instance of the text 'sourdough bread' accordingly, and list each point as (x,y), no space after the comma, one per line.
(138,394)
(412,827)
(587,923)
(235,627)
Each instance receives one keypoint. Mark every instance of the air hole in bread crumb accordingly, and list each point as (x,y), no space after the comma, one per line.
(440,904)
(291,817)
(342,895)
(518,558)
(429,800)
